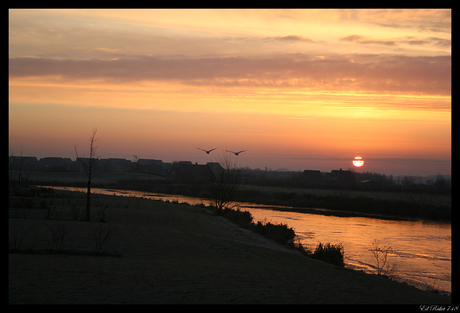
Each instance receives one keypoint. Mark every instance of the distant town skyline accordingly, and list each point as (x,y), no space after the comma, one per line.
(135,158)
(298,88)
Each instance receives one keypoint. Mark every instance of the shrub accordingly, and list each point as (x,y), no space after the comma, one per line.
(297,245)
(380,255)
(280,233)
(16,242)
(241,218)
(284,235)
(58,233)
(329,253)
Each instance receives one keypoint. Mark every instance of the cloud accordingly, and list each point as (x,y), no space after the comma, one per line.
(436,41)
(353,38)
(289,38)
(258,41)
(362,40)
(423,20)
(440,42)
(376,73)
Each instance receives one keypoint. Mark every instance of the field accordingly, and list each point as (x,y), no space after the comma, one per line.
(157,252)
(428,199)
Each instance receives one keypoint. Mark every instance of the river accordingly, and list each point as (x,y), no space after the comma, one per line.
(421,251)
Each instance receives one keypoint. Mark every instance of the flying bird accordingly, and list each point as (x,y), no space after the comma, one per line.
(236,153)
(207,151)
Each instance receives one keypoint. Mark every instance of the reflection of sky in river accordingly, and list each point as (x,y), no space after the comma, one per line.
(421,251)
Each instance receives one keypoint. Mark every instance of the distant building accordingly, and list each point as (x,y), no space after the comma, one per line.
(148,162)
(368,184)
(151,166)
(55,164)
(185,171)
(340,178)
(215,166)
(82,163)
(312,178)
(118,165)
(22,163)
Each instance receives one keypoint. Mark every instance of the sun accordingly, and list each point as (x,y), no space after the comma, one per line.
(358,161)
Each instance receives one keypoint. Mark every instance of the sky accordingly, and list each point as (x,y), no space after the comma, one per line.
(299,89)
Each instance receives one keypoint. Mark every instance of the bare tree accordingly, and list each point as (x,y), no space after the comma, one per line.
(380,254)
(89,166)
(224,182)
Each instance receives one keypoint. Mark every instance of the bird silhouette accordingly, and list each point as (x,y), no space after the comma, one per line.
(207,151)
(236,153)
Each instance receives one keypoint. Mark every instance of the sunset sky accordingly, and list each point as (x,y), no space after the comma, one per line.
(300,89)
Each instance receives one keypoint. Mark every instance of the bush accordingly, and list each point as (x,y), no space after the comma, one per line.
(284,235)
(241,218)
(280,233)
(328,253)
(297,245)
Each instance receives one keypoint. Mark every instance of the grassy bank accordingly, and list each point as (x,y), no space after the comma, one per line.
(160,252)
(30,201)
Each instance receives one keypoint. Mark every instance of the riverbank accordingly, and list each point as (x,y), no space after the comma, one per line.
(174,253)
(385,205)
(321,201)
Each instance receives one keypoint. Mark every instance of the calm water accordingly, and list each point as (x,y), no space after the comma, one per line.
(421,250)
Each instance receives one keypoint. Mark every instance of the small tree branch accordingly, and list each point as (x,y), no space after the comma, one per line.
(89,168)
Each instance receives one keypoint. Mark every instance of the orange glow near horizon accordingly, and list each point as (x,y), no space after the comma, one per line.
(238,79)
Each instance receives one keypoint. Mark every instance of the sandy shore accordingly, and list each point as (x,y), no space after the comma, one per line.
(177,254)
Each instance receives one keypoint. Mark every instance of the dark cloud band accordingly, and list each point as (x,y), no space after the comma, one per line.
(377,73)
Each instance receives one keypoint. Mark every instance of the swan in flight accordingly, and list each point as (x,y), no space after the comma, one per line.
(236,153)
(207,151)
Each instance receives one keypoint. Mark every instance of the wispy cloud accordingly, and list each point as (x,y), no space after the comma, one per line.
(288,38)
(441,42)
(423,20)
(362,40)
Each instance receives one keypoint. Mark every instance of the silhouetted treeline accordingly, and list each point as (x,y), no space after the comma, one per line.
(414,184)
(349,179)
(188,172)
